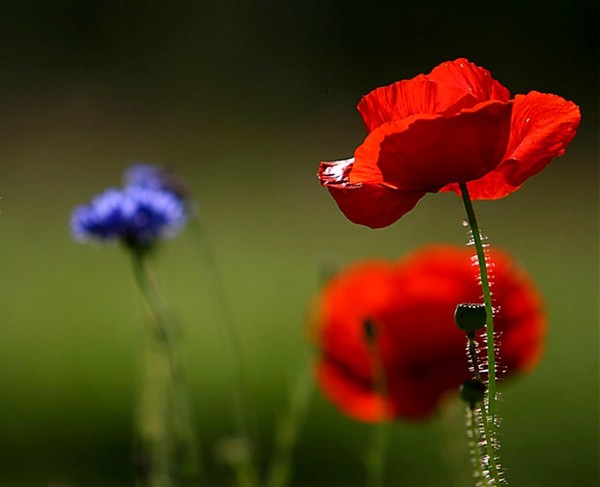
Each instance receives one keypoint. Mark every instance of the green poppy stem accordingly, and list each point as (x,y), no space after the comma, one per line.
(474,442)
(280,469)
(379,442)
(473,356)
(487,297)
(244,467)
(488,413)
(167,442)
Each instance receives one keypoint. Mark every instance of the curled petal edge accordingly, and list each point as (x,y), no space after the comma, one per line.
(374,205)
(417,96)
(542,126)
(462,73)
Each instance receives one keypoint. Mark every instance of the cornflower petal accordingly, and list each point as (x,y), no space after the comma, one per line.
(150,176)
(145,175)
(135,215)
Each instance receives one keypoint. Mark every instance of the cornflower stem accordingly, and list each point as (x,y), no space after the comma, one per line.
(244,466)
(287,432)
(488,407)
(169,449)
(377,452)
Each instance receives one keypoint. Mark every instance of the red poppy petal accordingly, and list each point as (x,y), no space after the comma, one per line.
(542,126)
(428,152)
(358,401)
(346,315)
(521,317)
(411,97)
(521,351)
(345,369)
(471,78)
(412,302)
(492,186)
(374,205)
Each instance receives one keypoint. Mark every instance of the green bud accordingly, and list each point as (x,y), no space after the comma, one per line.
(370,329)
(472,391)
(470,317)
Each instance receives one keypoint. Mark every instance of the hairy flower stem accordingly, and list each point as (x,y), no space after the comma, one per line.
(488,408)
(244,466)
(487,297)
(473,357)
(167,443)
(474,442)
(473,429)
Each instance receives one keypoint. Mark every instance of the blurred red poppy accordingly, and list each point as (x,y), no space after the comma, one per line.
(454,125)
(411,304)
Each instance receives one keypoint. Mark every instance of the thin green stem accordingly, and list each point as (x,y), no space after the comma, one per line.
(377,453)
(488,408)
(246,472)
(487,297)
(168,443)
(287,431)
(376,457)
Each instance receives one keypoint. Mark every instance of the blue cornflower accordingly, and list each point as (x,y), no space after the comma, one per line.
(144,175)
(136,216)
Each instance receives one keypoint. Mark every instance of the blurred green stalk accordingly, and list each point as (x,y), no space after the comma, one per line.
(376,454)
(167,451)
(243,461)
(280,470)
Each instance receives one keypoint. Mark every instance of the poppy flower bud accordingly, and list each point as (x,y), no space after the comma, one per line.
(472,391)
(370,330)
(470,317)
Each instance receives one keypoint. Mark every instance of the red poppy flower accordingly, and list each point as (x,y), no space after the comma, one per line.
(411,304)
(454,125)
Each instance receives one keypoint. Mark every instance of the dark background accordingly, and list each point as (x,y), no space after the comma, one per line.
(243,99)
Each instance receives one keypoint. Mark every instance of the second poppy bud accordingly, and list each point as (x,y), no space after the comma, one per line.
(470,317)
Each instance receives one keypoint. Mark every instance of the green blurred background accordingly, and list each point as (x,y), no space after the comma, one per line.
(243,99)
